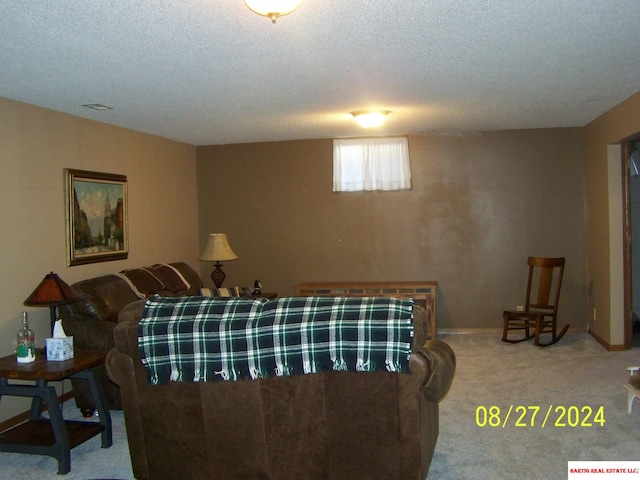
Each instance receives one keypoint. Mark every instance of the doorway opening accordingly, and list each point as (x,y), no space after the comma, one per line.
(631,200)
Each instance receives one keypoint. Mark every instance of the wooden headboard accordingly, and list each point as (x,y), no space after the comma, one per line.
(422,293)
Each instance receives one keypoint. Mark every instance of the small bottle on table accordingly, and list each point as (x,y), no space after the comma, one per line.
(26,349)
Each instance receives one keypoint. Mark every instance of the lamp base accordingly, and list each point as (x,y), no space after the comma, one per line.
(53,317)
(218,275)
(52,320)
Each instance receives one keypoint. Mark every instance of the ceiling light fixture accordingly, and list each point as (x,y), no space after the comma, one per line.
(370,118)
(97,106)
(272,8)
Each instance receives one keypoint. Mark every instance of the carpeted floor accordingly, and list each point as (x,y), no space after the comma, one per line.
(88,460)
(577,372)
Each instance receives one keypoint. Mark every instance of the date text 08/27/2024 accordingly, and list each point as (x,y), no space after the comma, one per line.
(559,416)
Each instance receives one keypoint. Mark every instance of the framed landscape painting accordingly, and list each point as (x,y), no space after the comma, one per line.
(96,217)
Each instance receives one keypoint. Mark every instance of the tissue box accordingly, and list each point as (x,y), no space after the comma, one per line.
(59,348)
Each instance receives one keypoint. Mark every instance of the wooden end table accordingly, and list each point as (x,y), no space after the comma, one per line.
(54,436)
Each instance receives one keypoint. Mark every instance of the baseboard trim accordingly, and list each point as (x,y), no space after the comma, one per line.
(605,344)
(457,331)
(24,416)
(494,330)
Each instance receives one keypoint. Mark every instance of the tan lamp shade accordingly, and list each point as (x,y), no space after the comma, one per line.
(218,249)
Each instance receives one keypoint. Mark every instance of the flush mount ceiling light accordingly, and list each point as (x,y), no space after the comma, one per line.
(97,106)
(272,8)
(370,118)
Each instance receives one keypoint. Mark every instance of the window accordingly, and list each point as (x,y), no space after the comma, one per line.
(371,164)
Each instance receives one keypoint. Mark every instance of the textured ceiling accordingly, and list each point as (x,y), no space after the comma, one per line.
(212,72)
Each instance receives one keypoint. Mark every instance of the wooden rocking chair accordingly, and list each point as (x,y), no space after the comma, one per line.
(541,308)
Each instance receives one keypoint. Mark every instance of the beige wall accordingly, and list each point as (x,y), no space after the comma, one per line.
(480,204)
(36,146)
(604,210)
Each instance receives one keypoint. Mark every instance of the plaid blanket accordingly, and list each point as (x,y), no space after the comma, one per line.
(207,339)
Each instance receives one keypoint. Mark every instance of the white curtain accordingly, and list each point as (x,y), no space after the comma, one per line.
(371,164)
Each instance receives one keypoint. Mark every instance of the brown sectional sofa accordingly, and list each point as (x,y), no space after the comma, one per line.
(92,320)
(329,425)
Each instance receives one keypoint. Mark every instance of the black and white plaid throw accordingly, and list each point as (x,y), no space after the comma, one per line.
(196,339)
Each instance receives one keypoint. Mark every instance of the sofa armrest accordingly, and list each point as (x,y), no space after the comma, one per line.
(132,312)
(89,333)
(437,360)
(120,370)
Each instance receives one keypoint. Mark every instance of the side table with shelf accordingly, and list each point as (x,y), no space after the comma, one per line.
(53,436)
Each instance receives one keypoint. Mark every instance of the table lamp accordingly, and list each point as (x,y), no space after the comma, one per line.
(52,292)
(218,249)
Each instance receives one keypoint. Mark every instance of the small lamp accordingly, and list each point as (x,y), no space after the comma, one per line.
(218,249)
(52,292)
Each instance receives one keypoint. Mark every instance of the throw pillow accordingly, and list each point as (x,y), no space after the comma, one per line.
(170,277)
(144,281)
(221,292)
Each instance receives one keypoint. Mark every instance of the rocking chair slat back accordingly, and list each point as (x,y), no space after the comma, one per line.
(543,293)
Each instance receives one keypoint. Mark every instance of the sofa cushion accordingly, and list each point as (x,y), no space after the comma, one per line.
(144,281)
(191,276)
(221,292)
(170,277)
(91,320)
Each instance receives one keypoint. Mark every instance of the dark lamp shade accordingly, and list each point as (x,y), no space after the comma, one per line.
(52,291)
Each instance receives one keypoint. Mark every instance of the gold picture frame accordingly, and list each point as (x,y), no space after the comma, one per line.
(96,217)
